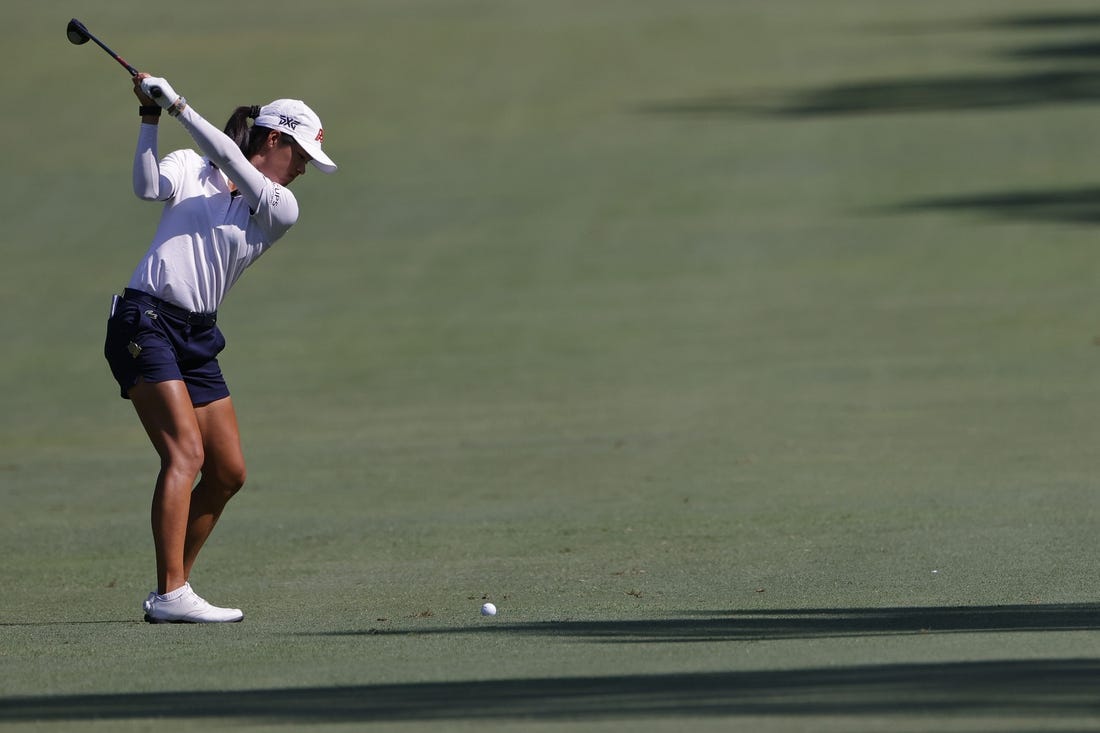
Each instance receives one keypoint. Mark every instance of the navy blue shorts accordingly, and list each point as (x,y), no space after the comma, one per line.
(149,340)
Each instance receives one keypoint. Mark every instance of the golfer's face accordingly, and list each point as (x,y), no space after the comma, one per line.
(288,162)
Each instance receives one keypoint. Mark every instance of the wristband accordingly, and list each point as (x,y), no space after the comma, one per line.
(149,110)
(178,106)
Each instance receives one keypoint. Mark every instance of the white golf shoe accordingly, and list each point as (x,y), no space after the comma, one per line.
(184,606)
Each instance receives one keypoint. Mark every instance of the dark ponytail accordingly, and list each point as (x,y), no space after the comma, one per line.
(249,138)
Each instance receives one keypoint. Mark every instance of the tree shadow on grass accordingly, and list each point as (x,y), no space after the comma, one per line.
(1046,21)
(1081,50)
(898,96)
(1005,688)
(1070,206)
(981,91)
(732,626)
(1010,688)
(1022,22)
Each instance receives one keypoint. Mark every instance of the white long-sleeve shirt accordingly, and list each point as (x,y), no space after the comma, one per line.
(207,235)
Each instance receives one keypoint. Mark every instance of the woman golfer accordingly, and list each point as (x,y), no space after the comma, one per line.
(222,210)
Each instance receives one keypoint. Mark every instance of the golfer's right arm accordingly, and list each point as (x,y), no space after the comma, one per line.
(149,183)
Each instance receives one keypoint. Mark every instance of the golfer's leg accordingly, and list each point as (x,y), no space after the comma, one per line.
(223,473)
(166,412)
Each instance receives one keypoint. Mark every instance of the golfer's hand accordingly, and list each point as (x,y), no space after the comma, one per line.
(167,95)
(144,99)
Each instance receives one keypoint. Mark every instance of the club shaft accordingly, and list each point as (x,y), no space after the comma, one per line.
(115,56)
(84,29)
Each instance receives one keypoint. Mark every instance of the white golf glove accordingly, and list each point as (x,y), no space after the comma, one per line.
(160,90)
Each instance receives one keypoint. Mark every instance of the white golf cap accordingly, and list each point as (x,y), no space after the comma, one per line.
(296,119)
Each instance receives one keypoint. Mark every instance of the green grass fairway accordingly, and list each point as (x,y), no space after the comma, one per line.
(745,354)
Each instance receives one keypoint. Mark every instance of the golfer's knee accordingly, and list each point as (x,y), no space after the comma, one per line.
(235,480)
(185,459)
(226,479)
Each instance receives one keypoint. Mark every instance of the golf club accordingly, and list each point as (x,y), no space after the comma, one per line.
(79,34)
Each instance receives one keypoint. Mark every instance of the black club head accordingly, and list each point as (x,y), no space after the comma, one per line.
(76,32)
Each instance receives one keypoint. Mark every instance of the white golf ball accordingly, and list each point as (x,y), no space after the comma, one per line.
(488,609)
